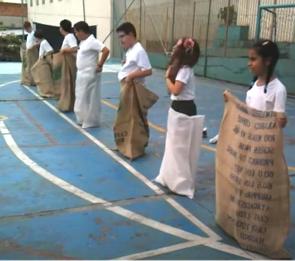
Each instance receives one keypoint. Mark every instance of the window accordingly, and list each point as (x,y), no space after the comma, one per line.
(31,3)
(37,2)
(43,2)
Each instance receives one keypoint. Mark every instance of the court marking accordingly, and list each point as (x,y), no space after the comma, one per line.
(87,196)
(206,242)
(7,83)
(133,171)
(109,206)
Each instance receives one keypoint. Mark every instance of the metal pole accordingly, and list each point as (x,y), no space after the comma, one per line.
(23,32)
(173,24)
(140,17)
(257,32)
(226,30)
(194,18)
(84,15)
(207,40)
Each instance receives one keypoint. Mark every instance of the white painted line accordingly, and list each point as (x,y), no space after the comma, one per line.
(134,172)
(89,197)
(234,250)
(163,250)
(7,83)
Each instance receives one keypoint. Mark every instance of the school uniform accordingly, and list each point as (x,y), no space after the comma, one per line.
(136,59)
(44,48)
(273,100)
(69,41)
(87,103)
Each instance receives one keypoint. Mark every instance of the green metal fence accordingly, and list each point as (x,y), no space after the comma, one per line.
(225,29)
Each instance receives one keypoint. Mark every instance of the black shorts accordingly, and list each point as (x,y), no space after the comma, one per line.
(186,107)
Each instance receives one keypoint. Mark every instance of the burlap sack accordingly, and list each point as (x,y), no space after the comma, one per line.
(42,74)
(28,58)
(67,83)
(252,182)
(131,128)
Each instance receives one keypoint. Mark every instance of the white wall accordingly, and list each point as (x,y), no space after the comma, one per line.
(98,12)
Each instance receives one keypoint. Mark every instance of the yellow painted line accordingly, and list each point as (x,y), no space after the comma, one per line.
(163,130)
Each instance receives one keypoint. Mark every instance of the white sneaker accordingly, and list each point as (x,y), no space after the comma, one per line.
(214,139)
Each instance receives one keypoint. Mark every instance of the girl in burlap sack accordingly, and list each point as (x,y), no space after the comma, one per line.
(184,130)
(249,193)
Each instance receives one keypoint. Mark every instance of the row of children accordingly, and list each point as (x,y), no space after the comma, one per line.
(184,130)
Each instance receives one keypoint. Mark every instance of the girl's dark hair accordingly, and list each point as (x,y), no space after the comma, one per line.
(127,28)
(66,25)
(27,24)
(39,34)
(82,26)
(267,50)
(186,52)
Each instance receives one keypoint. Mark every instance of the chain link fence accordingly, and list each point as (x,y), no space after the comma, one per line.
(225,29)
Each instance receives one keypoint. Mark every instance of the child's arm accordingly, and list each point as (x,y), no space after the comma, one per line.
(282,121)
(138,74)
(174,88)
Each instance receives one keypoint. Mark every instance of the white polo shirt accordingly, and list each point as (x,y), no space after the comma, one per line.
(273,100)
(88,52)
(136,59)
(186,76)
(45,47)
(31,40)
(69,41)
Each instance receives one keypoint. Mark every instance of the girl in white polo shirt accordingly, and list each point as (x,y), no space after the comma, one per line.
(267,92)
(184,127)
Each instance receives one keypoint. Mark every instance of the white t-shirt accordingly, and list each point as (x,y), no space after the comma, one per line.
(136,59)
(273,100)
(45,47)
(88,52)
(186,76)
(69,41)
(31,40)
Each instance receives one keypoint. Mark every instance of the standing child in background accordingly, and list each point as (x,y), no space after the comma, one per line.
(68,76)
(131,130)
(29,55)
(184,130)
(42,69)
(44,47)
(69,44)
(89,67)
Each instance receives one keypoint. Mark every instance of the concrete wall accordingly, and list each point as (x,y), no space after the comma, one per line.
(51,12)
(11,14)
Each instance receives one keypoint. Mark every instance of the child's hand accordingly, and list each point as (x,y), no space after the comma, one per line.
(282,122)
(225,95)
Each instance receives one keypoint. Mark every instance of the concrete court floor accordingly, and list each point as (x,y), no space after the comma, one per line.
(65,195)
